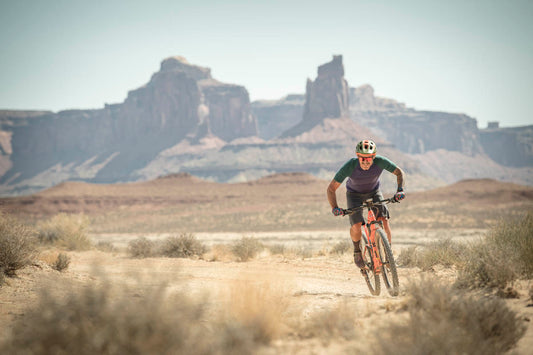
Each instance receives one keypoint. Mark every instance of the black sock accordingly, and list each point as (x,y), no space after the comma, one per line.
(356,247)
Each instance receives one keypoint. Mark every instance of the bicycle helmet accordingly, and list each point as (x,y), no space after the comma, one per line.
(366,147)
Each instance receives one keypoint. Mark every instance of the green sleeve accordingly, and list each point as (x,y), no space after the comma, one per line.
(385,163)
(346,170)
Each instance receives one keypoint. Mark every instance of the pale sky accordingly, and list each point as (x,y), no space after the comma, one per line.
(462,56)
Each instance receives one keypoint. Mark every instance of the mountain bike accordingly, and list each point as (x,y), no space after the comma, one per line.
(377,252)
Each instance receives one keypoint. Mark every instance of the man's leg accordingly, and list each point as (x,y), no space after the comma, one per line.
(355,234)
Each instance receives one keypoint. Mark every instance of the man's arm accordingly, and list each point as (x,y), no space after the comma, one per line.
(332,196)
(399,177)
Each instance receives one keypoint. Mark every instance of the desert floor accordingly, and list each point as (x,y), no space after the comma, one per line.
(310,284)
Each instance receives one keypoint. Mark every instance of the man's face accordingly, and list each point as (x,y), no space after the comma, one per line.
(365,161)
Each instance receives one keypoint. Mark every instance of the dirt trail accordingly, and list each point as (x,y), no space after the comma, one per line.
(311,284)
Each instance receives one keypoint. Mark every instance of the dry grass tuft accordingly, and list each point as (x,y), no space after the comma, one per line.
(277,249)
(503,256)
(183,246)
(65,231)
(441,252)
(17,245)
(220,252)
(342,247)
(445,320)
(108,320)
(258,305)
(141,248)
(106,246)
(246,248)
(62,262)
(332,323)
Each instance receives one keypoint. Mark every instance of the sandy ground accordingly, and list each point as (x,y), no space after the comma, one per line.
(313,239)
(312,284)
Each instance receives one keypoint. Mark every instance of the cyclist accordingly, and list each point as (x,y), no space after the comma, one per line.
(363,183)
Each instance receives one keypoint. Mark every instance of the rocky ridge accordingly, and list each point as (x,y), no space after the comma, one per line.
(183,120)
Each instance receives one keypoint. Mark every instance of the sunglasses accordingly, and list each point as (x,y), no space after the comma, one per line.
(366,158)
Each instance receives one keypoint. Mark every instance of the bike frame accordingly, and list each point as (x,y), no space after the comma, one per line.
(373,225)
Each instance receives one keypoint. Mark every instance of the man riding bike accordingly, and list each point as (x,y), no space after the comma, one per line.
(363,183)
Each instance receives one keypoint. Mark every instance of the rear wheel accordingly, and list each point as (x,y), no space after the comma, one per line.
(388,268)
(372,279)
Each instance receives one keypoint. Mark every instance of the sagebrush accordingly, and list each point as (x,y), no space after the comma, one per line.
(17,245)
(106,319)
(440,252)
(141,248)
(504,255)
(184,245)
(444,320)
(65,231)
(246,248)
(62,262)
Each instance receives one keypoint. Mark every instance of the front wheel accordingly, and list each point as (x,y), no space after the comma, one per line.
(371,278)
(388,268)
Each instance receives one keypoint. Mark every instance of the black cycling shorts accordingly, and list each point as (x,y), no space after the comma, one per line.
(355,199)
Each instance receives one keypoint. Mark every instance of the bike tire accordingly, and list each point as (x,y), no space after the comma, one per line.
(372,280)
(389,270)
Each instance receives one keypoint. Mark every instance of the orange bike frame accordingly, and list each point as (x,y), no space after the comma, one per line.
(373,224)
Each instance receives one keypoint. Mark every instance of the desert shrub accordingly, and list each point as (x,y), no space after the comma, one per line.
(277,249)
(220,252)
(105,246)
(256,308)
(141,248)
(62,262)
(338,321)
(342,247)
(441,252)
(246,248)
(107,320)
(485,266)
(302,251)
(445,320)
(504,255)
(65,231)
(17,245)
(409,257)
(515,239)
(182,246)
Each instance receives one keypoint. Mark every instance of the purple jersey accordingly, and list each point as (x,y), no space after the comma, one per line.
(364,181)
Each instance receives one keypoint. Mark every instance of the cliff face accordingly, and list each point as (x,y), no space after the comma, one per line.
(326,97)
(422,131)
(412,131)
(181,100)
(275,117)
(509,146)
(183,120)
(229,110)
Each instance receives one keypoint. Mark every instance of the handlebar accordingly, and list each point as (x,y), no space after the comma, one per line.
(369,204)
